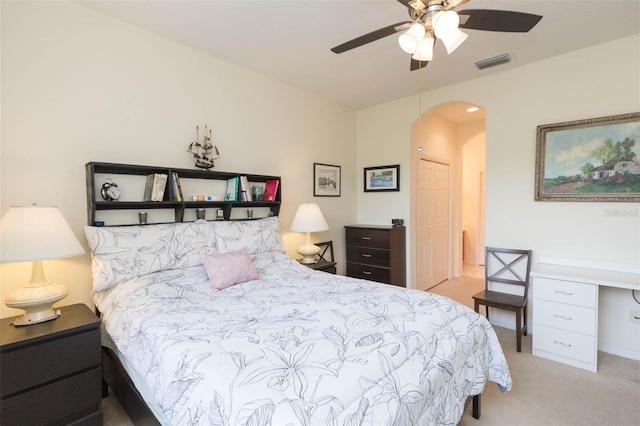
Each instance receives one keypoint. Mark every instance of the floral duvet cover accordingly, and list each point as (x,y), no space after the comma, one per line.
(300,347)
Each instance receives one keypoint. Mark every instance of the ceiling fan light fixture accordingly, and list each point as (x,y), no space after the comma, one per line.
(425,50)
(445,23)
(410,40)
(454,41)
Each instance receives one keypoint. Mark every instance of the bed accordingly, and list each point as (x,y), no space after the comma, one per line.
(216,325)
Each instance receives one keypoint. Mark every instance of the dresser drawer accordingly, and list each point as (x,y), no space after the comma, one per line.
(368,272)
(56,403)
(564,343)
(566,292)
(32,365)
(368,238)
(566,317)
(369,256)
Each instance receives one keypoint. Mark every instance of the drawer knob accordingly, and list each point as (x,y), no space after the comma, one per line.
(566,345)
(366,272)
(366,255)
(566,293)
(563,317)
(366,238)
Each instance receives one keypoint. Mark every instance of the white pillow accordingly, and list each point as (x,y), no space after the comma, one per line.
(257,236)
(120,253)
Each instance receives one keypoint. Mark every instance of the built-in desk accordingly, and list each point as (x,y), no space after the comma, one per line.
(565,306)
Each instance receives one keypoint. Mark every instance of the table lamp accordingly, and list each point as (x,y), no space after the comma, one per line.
(308,219)
(34,233)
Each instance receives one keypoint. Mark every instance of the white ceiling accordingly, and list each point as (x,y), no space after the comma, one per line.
(290,40)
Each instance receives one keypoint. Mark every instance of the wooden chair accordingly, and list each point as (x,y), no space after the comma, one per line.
(506,269)
(326,251)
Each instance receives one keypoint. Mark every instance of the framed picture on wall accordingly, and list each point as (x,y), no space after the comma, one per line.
(326,180)
(596,159)
(382,178)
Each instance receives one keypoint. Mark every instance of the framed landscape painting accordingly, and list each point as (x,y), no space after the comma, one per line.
(326,180)
(383,178)
(596,159)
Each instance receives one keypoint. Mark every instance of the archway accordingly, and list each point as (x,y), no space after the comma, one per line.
(448,140)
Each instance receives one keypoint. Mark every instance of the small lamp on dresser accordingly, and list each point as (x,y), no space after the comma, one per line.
(309,219)
(33,234)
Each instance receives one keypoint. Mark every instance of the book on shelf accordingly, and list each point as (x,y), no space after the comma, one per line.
(231,193)
(154,189)
(176,187)
(270,190)
(244,193)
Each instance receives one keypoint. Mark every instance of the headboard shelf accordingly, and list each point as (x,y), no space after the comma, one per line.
(212,181)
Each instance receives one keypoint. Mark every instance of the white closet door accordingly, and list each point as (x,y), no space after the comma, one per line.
(433,224)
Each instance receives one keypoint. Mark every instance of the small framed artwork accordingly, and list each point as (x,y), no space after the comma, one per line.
(326,180)
(382,178)
(589,160)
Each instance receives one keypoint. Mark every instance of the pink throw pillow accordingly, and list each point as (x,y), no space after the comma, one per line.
(227,269)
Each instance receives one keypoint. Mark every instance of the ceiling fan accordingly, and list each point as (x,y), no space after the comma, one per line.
(436,19)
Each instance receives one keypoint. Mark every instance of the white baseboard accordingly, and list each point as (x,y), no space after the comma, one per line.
(616,350)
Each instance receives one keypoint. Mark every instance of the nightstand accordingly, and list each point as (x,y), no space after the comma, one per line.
(321,265)
(52,371)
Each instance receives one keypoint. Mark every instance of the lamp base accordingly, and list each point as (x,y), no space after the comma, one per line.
(36,301)
(308,251)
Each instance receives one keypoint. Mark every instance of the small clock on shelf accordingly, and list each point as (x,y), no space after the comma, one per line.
(110,191)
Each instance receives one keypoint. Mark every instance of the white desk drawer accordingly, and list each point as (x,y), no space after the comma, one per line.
(564,343)
(566,292)
(566,317)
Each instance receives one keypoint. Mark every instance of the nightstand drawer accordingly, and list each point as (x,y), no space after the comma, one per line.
(33,365)
(368,238)
(369,256)
(566,317)
(56,403)
(368,272)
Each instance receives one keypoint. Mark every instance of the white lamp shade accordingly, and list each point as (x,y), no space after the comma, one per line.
(309,218)
(425,50)
(410,39)
(36,233)
(445,23)
(452,42)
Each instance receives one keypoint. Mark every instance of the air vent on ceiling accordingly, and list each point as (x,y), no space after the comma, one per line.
(493,61)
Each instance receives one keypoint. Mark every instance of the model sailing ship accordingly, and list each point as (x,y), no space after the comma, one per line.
(202,152)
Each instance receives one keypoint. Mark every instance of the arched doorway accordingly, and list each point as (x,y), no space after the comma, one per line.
(446,142)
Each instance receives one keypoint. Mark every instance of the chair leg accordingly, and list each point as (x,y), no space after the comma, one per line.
(524,330)
(476,305)
(519,330)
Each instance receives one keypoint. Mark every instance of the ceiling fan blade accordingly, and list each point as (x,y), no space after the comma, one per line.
(372,36)
(498,20)
(416,65)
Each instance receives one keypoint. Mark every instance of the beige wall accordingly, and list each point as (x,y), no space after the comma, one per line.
(564,88)
(78,86)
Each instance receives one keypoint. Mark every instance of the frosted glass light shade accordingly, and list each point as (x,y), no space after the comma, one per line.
(452,42)
(445,23)
(425,50)
(410,39)
(309,218)
(35,234)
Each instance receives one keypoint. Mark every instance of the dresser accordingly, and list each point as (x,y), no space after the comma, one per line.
(376,253)
(565,307)
(51,372)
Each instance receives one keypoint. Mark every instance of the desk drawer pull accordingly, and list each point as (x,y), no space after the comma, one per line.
(366,255)
(566,293)
(367,272)
(366,238)
(566,345)
(563,317)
